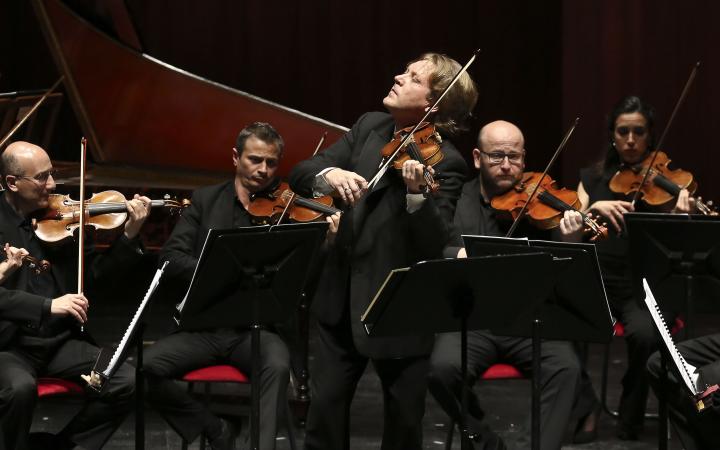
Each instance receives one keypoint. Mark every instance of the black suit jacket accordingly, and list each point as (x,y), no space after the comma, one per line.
(211,207)
(20,309)
(378,234)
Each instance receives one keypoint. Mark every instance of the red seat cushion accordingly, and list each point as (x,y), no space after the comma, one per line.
(219,374)
(501,371)
(55,386)
(679,324)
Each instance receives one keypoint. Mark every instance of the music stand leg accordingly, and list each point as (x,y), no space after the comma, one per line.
(259,280)
(464,432)
(535,409)
(662,406)
(689,310)
(139,392)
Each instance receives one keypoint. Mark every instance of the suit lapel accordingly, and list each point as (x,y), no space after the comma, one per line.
(367,167)
(468,208)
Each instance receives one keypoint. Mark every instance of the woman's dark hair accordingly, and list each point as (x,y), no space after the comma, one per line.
(628,105)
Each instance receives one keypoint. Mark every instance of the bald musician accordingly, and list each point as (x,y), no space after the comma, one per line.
(40,315)
(500,161)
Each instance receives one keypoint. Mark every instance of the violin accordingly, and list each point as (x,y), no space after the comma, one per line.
(662,186)
(271,207)
(424,146)
(103,211)
(546,209)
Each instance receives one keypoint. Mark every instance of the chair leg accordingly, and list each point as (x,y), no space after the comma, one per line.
(184,443)
(449,436)
(290,427)
(604,383)
(206,399)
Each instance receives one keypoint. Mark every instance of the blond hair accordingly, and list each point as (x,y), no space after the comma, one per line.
(457,105)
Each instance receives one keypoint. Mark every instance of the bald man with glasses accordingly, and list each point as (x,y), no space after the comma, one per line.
(500,161)
(40,315)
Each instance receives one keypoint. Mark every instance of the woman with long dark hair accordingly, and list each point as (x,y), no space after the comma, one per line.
(631,138)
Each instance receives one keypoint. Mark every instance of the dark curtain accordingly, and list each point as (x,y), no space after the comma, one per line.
(613,48)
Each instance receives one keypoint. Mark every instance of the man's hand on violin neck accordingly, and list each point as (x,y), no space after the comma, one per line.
(685,203)
(412,173)
(75,305)
(334,225)
(349,185)
(138,210)
(613,211)
(571,226)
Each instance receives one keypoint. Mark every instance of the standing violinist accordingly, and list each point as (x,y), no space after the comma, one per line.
(631,139)
(40,317)
(392,224)
(500,160)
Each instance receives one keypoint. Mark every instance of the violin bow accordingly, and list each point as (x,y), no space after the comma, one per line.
(81,230)
(564,142)
(386,163)
(292,196)
(679,102)
(30,112)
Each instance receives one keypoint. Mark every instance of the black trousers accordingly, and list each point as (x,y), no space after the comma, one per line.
(696,430)
(642,340)
(101,415)
(559,378)
(174,355)
(336,371)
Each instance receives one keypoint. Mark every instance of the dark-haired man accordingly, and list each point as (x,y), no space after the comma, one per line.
(256,157)
(390,225)
(40,316)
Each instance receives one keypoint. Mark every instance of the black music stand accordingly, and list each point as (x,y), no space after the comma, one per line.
(679,255)
(250,277)
(463,296)
(565,315)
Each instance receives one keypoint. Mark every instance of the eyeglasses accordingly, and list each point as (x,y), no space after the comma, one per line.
(41,178)
(637,131)
(514,158)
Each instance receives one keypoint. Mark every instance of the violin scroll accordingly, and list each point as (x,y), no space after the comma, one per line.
(37,265)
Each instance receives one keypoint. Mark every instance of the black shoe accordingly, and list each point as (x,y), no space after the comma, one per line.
(627,432)
(486,439)
(226,439)
(582,436)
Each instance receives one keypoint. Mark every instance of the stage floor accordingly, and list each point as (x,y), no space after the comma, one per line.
(507,403)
